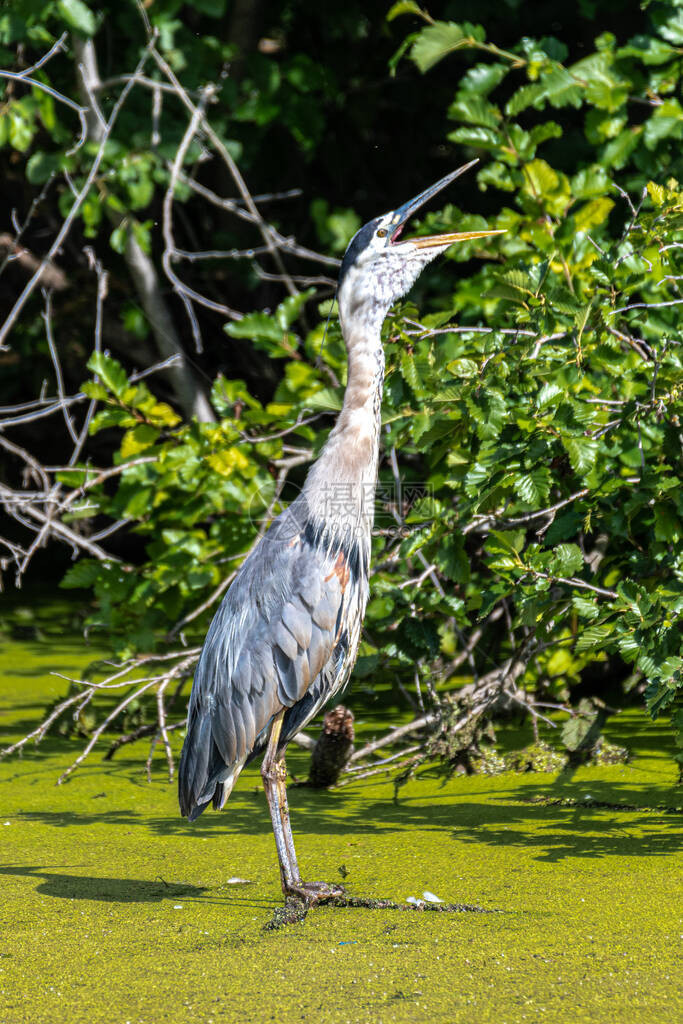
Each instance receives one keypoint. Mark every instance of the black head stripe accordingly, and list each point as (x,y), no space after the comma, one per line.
(360,241)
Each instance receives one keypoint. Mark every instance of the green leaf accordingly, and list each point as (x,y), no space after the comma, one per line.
(603,86)
(548,395)
(325,398)
(93,389)
(594,638)
(580,730)
(452,559)
(593,213)
(541,178)
(670,24)
(585,607)
(110,372)
(78,15)
(137,440)
(474,110)
(41,166)
(482,78)
(211,8)
(617,152)
(567,560)
(81,575)
(667,524)
(463,368)
(556,86)
(111,417)
(21,127)
(256,326)
(476,136)
(533,487)
(119,238)
(590,182)
(435,42)
(287,312)
(403,7)
(582,452)
(409,370)
(525,96)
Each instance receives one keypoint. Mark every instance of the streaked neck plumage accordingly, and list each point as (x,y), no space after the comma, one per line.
(348,461)
(368,286)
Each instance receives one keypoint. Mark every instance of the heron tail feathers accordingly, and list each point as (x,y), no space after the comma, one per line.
(203,776)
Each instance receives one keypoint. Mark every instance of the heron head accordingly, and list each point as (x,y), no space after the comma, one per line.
(379,266)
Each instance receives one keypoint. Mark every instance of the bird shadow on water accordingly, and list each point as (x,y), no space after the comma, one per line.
(98,889)
(103,890)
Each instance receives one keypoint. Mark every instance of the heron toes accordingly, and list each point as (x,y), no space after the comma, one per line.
(316,892)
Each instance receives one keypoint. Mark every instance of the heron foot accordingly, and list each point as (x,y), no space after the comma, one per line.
(312,893)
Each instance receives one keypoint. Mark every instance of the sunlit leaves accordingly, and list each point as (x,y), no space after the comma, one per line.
(272,332)
(582,452)
(110,372)
(226,461)
(77,15)
(436,41)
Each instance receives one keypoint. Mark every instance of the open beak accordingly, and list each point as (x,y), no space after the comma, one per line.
(405,212)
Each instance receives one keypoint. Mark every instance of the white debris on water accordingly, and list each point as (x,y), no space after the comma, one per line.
(430,897)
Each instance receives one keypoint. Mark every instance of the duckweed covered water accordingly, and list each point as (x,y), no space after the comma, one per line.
(115,910)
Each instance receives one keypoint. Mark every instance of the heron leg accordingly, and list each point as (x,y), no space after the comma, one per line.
(274,774)
(281,785)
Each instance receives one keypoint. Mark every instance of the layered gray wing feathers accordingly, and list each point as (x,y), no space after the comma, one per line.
(271,637)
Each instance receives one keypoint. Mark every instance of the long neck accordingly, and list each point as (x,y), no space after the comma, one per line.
(348,462)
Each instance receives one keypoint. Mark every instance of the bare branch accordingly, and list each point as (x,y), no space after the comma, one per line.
(190,395)
(47,318)
(36,84)
(39,733)
(490,522)
(186,293)
(264,228)
(176,671)
(79,199)
(393,737)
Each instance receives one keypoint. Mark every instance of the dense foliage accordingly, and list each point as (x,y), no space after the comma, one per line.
(530,514)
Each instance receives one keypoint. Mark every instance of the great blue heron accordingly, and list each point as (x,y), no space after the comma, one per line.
(285,638)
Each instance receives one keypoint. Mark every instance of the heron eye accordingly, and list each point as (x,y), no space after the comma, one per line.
(382,233)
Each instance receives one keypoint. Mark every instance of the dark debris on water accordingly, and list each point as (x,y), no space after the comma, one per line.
(295,909)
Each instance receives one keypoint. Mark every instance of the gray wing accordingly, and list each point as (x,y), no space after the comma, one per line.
(271,638)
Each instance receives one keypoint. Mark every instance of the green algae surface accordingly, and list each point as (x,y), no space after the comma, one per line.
(115,910)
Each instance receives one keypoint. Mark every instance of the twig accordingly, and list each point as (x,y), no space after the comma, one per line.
(11,498)
(47,318)
(23,78)
(574,582)
(196,612)
(392,737)
(385,760)
(39,733)
(264,228)
(162,727)
(184,292)
(494,522)
(379,771)
(80,196)
(645,305)
(138,734)
(121,706)
(190,395)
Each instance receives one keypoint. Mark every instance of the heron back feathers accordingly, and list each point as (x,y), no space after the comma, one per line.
(282,638)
